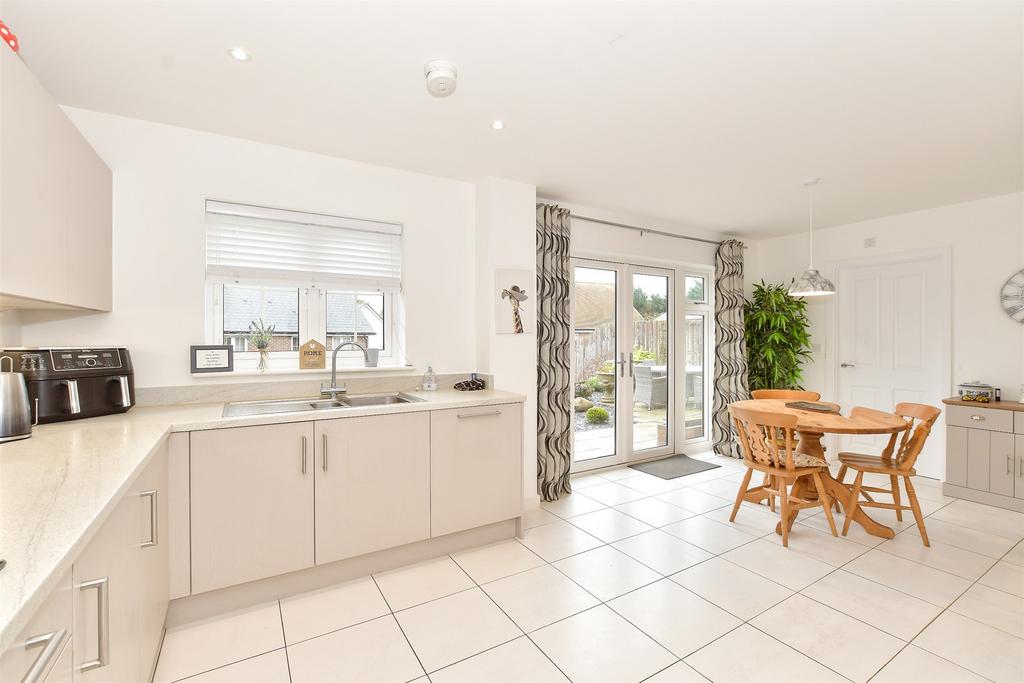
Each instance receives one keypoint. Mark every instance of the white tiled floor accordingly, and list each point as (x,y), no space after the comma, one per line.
(634,578)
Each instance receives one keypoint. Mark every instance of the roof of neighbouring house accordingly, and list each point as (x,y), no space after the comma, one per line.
(280,309)
(594,305)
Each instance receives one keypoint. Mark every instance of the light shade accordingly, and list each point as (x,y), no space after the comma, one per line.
(812,283)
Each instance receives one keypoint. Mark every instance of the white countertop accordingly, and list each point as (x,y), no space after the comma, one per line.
(59,486)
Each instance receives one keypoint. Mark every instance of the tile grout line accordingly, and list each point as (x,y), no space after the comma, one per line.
(509,617)
(866,549)
(284,640)
(400,629)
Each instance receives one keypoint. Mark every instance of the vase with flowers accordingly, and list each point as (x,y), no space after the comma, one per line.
(260,336)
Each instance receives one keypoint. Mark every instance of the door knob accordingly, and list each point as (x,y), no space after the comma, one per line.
(847,365)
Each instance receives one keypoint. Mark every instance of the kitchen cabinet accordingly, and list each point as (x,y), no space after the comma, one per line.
(251,503)
(1001,464)
(956,455)
(55,202)
(107,600)
(372,481)
(985,453)
(42,651)
(476,467)
(151,491)
(1018,480)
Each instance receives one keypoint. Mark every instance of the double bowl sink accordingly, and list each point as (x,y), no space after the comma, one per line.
(301,405)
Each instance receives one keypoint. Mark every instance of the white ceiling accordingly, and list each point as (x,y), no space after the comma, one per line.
(702,114)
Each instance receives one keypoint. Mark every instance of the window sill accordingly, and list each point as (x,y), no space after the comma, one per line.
(283,372)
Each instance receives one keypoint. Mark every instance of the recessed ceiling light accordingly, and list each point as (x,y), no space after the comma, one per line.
(240,54)
(497,125)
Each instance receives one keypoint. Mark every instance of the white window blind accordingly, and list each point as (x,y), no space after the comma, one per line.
(256,243)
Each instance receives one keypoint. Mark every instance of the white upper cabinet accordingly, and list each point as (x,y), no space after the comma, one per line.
(55,202)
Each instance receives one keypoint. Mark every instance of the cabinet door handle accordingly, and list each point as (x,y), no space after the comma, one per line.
(323,457)
(1020,469)
(466,416)
(102,623)
(1009,465)
(153,523)
(52,643)
(978,418)
(303,456)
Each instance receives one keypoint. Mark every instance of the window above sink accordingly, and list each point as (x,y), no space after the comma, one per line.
(309,276)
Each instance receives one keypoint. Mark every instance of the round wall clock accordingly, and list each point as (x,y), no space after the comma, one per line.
(1012,296)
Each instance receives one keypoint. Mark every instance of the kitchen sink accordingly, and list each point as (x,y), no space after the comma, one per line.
(380,400)
(301,405)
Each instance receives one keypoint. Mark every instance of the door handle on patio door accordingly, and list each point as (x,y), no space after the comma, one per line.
(622,364)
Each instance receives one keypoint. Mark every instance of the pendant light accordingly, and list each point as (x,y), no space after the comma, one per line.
(811,282)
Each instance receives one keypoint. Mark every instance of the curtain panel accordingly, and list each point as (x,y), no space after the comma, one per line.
(554,371)
(730,379)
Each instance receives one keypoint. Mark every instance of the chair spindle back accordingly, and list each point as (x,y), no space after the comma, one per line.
(768,439)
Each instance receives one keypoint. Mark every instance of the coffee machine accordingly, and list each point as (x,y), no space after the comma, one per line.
(68,383)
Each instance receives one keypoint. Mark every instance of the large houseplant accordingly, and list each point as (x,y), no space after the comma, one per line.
(777,339)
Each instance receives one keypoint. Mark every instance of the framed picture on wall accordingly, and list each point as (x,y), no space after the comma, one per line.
(513,301)
(212,358)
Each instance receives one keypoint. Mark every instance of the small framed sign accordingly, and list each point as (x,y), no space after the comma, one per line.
(213,358)
(312,356)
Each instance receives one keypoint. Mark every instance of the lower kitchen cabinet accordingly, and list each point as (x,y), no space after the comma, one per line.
(1001,464)
(151,490)
(42,651)
(476,467)
(985,455)
(372,484)
(251,503)
(1018,481)
(107,603)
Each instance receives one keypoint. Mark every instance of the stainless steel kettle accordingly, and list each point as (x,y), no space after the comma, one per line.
(15,410)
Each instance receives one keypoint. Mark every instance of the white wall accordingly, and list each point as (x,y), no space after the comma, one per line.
(506,238)
(986,238)
(163,175)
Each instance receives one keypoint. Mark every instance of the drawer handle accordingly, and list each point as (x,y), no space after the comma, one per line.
(153,524)
(102,623)
(466,416)
(52,643)
(978,418)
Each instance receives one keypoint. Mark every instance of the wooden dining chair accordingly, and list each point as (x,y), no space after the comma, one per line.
(896,461)
(784,395)
(768,441)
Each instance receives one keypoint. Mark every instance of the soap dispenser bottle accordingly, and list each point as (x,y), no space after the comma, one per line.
(429,379)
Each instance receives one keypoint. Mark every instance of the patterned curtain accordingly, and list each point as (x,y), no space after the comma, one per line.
(554,407)
(730,382)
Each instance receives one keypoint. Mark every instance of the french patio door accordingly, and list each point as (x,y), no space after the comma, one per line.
(623,362)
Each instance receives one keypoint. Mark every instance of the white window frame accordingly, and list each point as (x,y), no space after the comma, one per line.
(312,325)
(707,309)
(311,287)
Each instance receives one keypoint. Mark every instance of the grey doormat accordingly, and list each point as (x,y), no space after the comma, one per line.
(674,466)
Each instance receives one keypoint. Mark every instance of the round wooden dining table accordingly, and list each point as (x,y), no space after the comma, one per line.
(810,427)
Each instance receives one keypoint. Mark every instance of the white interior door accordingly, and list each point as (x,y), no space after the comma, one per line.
(893,332)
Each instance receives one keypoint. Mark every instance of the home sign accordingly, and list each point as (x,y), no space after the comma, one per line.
(312,356)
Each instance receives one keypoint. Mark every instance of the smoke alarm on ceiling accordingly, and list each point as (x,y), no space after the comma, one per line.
(441,77)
